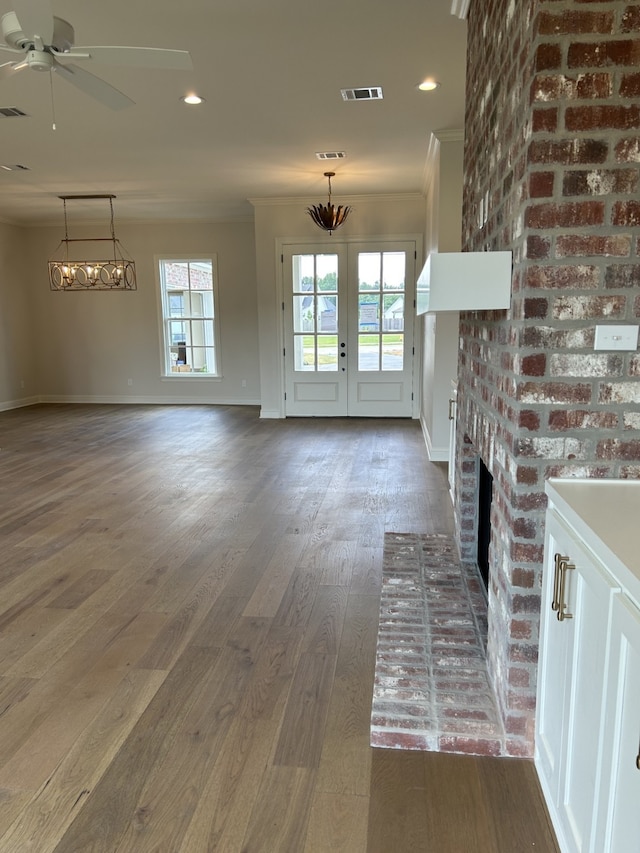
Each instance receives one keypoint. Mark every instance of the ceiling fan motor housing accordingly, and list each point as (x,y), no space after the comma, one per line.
(63,34)
(39,60)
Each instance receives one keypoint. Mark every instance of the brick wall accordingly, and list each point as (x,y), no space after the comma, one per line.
(552,172)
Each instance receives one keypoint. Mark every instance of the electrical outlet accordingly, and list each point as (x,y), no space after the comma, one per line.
(244,383)
(129,382)
(616,338)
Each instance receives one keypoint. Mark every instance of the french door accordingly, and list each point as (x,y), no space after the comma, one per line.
(348,328)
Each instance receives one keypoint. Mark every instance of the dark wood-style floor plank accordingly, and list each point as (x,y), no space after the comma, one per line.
(189,601)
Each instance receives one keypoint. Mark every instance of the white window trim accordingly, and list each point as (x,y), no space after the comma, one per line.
(192,257)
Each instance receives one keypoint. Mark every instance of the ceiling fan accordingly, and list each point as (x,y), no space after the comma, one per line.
(46,43)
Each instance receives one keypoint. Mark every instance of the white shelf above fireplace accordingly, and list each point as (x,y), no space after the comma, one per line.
(465,281)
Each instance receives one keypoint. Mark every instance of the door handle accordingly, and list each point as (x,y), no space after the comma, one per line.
(556,582)
(565,566)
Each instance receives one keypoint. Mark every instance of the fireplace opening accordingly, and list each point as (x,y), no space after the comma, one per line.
(485,495)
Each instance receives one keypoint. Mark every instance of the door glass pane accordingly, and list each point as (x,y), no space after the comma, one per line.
(315,312)
(327,352)
(392,352)
(303,314)
(303,359)
(369,271)
(393,314)
(327,273)
(368,352)
(369,312)
(381,310)
(303,271)
(393,265)
(327,313)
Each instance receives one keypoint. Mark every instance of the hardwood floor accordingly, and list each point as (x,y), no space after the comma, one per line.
(188,618)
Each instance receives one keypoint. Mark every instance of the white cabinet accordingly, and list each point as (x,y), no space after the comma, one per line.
(575,620)
(618,818)
(588,704)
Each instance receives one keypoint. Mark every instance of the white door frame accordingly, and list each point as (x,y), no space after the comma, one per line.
(326,241)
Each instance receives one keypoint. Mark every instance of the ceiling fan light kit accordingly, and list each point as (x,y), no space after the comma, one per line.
(328,216)
(114,273)
(44,42)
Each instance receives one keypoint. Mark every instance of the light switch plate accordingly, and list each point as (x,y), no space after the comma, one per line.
(616,337)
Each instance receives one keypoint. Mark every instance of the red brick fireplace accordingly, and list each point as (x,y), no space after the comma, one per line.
(552,172)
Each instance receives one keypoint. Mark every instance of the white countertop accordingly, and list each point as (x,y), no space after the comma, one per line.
(606,516)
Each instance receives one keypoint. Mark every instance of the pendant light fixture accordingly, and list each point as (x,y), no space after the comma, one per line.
(69,273)
(327,216)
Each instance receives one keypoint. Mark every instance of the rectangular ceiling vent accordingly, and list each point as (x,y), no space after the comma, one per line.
(369,93)
(331,155)
(11,112)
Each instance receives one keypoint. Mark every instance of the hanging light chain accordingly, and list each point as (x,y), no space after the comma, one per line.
(118,273)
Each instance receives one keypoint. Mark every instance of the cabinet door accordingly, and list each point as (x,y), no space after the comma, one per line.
(556,642)
(618,826)
(571,684)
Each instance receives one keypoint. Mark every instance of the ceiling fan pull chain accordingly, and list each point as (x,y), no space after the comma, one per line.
(53,103)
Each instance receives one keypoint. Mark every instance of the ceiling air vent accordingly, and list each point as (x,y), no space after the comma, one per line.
(331,155)
(370,93)
(11,112)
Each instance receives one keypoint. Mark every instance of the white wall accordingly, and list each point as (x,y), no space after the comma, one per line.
(287,219)
(85,346)
(90,344)
(443,232)
(18,377)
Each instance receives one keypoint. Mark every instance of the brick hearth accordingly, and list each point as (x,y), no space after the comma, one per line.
(432,691)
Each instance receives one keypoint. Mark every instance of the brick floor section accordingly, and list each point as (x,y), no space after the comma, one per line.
(432,691)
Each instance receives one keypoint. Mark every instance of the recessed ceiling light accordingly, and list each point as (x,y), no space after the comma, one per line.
(192,98)
(428,85)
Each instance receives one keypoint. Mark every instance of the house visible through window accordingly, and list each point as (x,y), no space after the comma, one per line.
(189,316)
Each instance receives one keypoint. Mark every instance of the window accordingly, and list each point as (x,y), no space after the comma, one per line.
(189,317)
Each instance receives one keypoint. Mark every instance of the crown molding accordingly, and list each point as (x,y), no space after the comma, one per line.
(456,135)
(460,8)
(344,199)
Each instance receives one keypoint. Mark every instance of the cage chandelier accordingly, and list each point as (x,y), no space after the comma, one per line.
(327,216)
(114,273)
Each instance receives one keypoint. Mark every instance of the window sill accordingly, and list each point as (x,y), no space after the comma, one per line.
(182,376)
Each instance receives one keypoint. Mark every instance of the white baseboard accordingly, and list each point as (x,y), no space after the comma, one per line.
(142,400)
(435,454)
(101,399)
(6,405)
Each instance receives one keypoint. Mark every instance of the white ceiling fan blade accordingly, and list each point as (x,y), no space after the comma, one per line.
(93,86)
(9,68)
(6,49)
(136,57)
(35,18)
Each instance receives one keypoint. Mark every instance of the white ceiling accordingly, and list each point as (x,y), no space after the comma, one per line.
(271,72)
